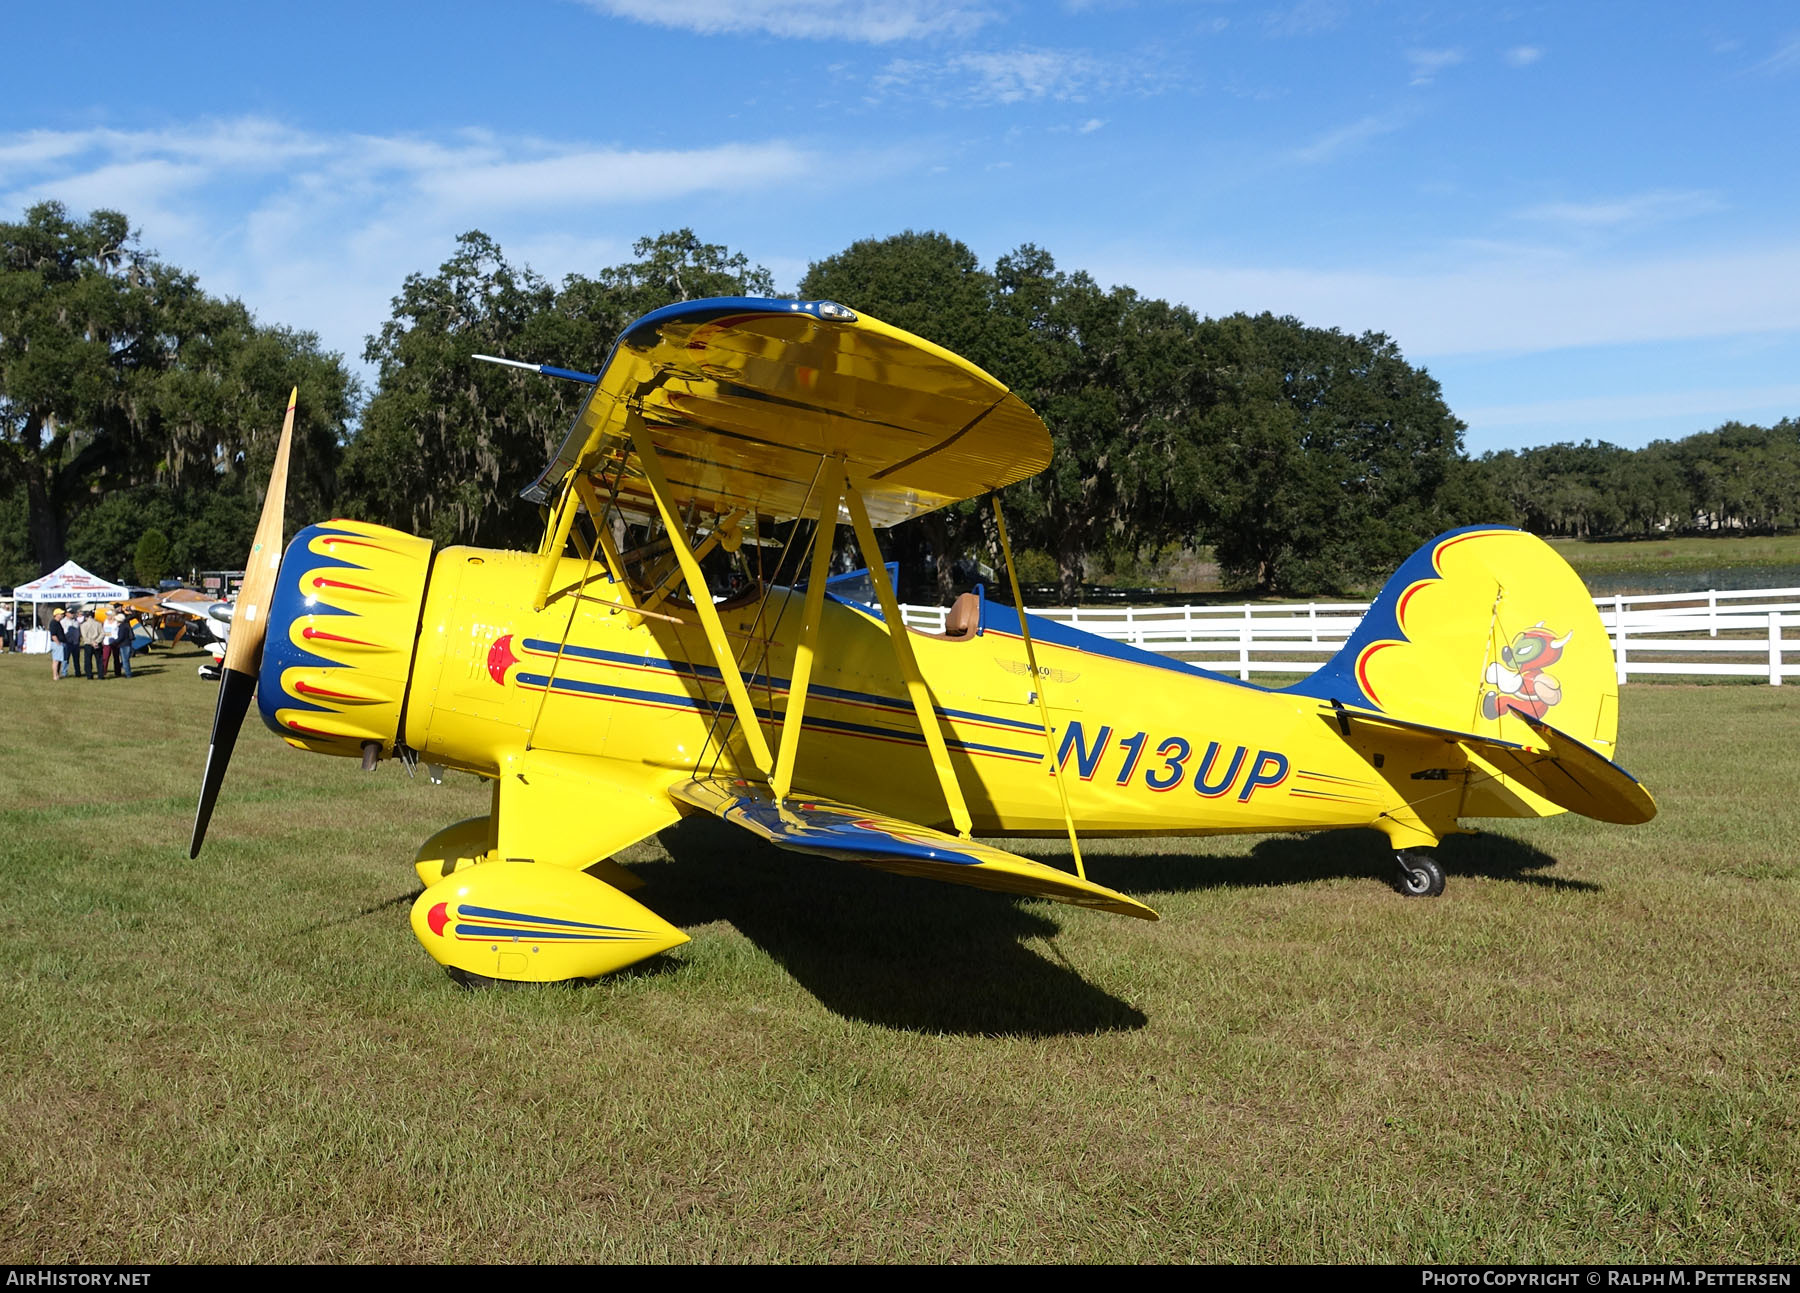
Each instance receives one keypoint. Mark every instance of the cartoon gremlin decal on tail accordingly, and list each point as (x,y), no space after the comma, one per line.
(1518,682)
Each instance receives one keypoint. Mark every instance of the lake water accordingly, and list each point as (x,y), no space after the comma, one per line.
(1727,579)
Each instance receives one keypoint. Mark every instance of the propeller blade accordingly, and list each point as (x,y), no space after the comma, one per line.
(249,628)
(235,691)
(250,622)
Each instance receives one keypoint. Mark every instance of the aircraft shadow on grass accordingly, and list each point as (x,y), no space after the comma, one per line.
(887,950)
(1327,855)
(914,956)
(901,953)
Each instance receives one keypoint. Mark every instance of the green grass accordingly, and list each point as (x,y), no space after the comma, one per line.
(1585,1051)
(1608,560)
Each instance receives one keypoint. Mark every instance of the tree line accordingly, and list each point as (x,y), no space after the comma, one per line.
(1735,478)
(138,415)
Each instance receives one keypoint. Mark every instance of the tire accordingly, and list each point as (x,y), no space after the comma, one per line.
(1420,875)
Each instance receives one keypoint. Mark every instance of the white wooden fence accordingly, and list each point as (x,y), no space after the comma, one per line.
(1702,634)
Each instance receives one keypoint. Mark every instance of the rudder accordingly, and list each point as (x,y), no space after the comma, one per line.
(1482,630)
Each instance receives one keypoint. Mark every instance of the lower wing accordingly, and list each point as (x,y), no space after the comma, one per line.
(828,828)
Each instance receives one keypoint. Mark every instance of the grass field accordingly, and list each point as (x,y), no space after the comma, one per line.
(1661,565)
(1679,553)
(1587,1050)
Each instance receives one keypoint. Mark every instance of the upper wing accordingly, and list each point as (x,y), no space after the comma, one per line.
(744,397)
(827,828)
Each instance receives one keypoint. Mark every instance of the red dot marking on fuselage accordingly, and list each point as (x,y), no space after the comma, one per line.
(500,659)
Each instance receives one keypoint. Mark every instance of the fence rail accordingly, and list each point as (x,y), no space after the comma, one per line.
(1699,634)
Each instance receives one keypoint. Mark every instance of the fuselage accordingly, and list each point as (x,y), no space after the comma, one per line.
(1144,746)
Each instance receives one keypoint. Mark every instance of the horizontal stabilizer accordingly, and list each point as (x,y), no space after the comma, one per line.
(827,828)
(1568,773)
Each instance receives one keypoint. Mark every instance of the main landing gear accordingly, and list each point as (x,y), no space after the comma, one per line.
(1420,875)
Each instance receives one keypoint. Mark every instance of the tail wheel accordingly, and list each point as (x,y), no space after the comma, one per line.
(1420,875)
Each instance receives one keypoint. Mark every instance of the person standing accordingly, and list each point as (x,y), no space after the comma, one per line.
(109,640)
(57,646)
(92,635)
(71,645)
(127,627)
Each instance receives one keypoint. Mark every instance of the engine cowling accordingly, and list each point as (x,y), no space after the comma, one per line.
(342,627)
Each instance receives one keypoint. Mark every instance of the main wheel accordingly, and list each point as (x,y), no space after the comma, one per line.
(1420,875)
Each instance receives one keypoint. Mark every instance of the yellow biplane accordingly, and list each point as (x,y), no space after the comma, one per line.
(605,690)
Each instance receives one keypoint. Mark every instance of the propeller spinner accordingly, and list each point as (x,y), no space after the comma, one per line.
(250,626)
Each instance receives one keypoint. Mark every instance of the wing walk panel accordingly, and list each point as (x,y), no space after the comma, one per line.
(829,828)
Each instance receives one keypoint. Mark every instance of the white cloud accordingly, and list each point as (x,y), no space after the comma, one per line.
(1427,63)
(1654,207)
(1786,57)
(130,186)
(474,171)
(245,142)
(1500,306)
(1347,138)
(874,22)
(1523,55)
(23,153)
(1027,74)
(1089,126)
(1001,77)
(609,176)
(1308,18)
(322,228)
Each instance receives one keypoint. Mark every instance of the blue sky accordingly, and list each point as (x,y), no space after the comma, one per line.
(1584,219)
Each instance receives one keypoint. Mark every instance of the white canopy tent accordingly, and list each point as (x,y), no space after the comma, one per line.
(67,585)
(70,585)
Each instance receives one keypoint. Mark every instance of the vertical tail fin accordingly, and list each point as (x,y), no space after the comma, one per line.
(1483,630)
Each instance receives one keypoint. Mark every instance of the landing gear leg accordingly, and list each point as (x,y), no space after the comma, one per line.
(1420,875)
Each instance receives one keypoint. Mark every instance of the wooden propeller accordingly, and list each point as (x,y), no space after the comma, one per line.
(249,629)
